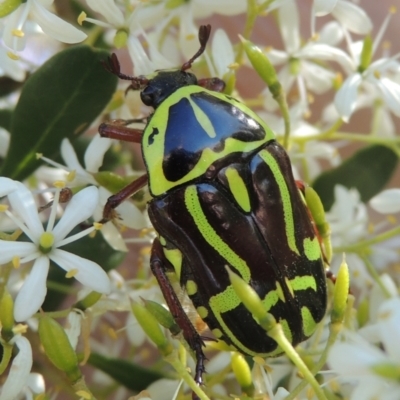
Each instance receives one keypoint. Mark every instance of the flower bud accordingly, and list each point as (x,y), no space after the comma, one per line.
(340,293)
(317,211)
(162,315)
(152,328)
(58,348)
(8,6)
(263,67)
(88,301)
(6,316)
(242,372)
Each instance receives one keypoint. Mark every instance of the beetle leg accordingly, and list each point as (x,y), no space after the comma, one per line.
(117,129)
(192,337)
(115,200)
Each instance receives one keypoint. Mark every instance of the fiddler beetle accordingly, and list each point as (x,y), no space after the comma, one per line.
(223,195)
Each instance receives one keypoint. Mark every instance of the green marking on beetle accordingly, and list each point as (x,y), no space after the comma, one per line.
(303,283)
(162,240)
(153,150)
(286,330)
(270,300)
(238,188)
(202,311)
(312,248)
(286,199)
(202,119)
(289,286)
(309,323)
(217,333)
(279,292)
(193,205)
(191,287)
(174,256)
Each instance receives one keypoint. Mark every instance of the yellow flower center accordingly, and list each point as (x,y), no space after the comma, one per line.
(46,242)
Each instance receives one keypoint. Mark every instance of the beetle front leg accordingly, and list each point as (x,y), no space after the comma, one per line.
(118,129)
(116,199)
(158,264)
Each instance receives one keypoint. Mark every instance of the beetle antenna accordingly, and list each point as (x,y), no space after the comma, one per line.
(111,64)
(204,35)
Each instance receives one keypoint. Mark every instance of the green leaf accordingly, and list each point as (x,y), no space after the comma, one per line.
(131,375)
(368,171)
(5,119)
(61,99)
(8,85)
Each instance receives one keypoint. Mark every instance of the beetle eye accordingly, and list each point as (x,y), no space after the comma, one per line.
(147,97)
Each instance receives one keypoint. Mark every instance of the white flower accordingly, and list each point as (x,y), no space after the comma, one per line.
(373,370)
(348,217)
(45,246)
(20,369)
(300,62)
(128,214)
(374,78)
(14,35)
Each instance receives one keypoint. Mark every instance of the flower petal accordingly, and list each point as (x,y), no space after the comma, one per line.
(88,273)
(352,17)
(390,93)
(24,205)
(318,79)
(55,26)
(9,250)
(7,185)
(71,160)
(288,15)
(79,209)
(109,10)
(323,7)
(113,237)
(323,51)
(142,63)
(386,202)
(389,326)
(19,371)
(346,96)
(33,291)
(94,153)
(36,382)
(222,52)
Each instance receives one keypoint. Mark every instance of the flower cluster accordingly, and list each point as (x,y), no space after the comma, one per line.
(74,198)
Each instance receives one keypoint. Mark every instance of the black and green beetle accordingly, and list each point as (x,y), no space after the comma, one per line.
(223,195)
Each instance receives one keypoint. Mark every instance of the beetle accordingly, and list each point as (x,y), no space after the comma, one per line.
(223,195)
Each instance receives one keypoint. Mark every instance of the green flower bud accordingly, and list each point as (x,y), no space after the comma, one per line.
(152,328)
(387,370)
(162,315)
(317,211)
(263,67)
(88,301)
(112,182)
(363,312)
(8,6)
(58,348)
(247,295)
(242,372)
(6,316)
(340,293)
